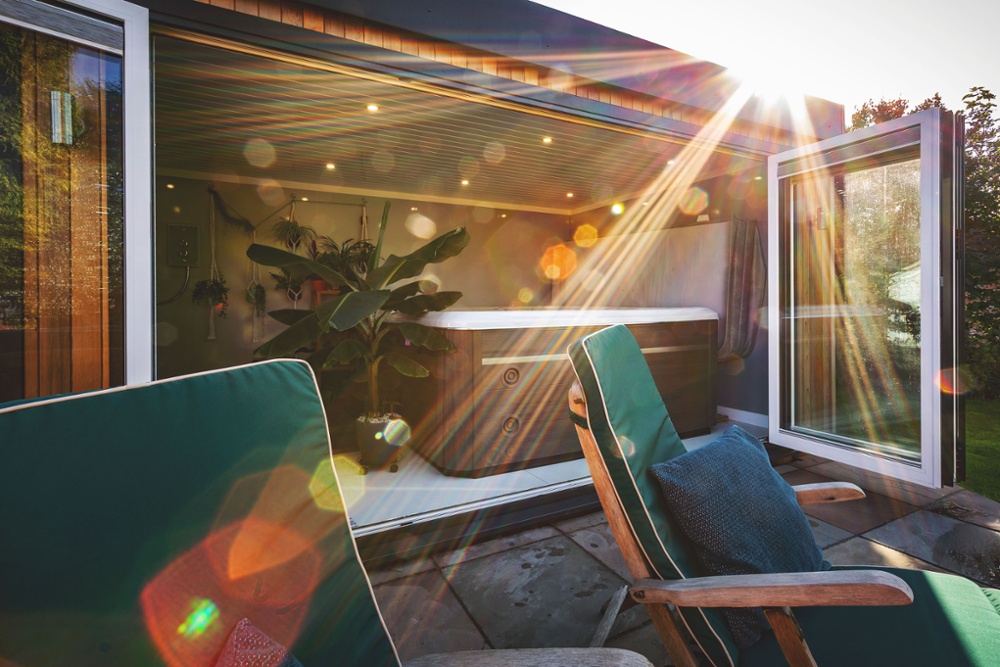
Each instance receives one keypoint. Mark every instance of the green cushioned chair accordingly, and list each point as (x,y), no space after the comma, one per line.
(845,616)
(139,525)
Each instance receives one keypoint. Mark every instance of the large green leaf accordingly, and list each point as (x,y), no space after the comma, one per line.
(290,316)
(423,303)
(396,268)
(406,366)
(424,336)
(346,352)
(346,310)
(299,335)
(410,289)
(300,268)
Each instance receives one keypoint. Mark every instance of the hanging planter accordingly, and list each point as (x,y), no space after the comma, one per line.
(212,293)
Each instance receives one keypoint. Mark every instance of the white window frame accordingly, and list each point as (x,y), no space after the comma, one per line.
(928,471)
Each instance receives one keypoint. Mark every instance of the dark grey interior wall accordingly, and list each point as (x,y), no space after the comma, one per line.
(499,268)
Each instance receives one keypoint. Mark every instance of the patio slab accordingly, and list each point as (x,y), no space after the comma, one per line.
(424,616)
(859,551)
(969,507)
(954,545)
(600,543)
(827,534)
(549,593)
(860,516)
(876,483)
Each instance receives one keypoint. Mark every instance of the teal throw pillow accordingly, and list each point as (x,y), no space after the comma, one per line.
(741,516)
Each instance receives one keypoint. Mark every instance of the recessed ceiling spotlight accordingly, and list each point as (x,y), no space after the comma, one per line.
(170,186)
(546,140)
(304,199)
(331,166)
(372,107)
(569,195)
(413,208)
(618,208)
(465,181)
(645,203)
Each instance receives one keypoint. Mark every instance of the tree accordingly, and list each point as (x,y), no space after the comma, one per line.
(982,239)
(982,225)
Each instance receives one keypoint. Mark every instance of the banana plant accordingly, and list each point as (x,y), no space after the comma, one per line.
(357,326)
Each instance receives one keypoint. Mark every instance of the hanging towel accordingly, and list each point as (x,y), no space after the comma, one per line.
(745,291)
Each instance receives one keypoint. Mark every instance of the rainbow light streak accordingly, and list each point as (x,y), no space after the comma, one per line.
(203,615)
(629,249)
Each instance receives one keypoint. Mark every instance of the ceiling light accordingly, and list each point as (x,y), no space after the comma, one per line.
(569,194)
(331,166)
(304,199)
(170,186)
(465,181)
(413,208)
(618,208)
(372,107)
(546,140)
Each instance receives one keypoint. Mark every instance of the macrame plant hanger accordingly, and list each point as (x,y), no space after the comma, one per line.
(364,219)
(213,272)
(256,296)
(293,293)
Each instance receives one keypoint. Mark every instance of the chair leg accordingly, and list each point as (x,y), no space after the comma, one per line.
(790,637)
(611,611)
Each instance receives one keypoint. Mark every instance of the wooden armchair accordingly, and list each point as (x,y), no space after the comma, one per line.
(140,525)
(857,616)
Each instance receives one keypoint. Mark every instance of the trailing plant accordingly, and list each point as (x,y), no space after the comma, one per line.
(257,296)
(213,293)
(357,327)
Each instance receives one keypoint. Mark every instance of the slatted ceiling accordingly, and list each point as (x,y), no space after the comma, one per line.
(210,102)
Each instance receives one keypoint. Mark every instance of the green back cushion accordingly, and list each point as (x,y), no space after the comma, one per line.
(139,525)
(633,431)
(741,517)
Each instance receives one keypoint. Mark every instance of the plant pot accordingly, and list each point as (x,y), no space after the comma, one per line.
(381,440)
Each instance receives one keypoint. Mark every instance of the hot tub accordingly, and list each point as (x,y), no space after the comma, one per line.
(498,403)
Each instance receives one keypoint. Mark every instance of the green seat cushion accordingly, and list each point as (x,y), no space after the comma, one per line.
(139,525)
(952,622)
(741,516)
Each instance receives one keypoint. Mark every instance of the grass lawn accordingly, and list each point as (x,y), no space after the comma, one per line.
(982,447)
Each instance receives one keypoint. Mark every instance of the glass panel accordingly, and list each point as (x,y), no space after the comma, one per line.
(61,216)
(855,307)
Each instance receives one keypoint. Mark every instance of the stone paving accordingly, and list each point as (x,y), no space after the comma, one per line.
(546,586)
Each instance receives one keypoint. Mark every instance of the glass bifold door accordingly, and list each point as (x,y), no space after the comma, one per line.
(865,308)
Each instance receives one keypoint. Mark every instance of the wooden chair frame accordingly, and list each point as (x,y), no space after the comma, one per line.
(776,593)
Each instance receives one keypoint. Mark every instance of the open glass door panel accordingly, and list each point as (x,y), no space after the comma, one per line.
(864,306)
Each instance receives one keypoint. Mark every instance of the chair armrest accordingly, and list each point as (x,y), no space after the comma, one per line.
(839,588)
(534,657)
(827,492)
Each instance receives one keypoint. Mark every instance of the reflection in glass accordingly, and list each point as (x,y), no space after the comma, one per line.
(61,283)
(855,308)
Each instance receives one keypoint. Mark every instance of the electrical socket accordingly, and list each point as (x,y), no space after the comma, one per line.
(182,245)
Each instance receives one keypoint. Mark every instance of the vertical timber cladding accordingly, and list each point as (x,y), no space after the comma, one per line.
(498,403)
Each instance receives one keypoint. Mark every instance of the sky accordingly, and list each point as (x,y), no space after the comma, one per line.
(848,51)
